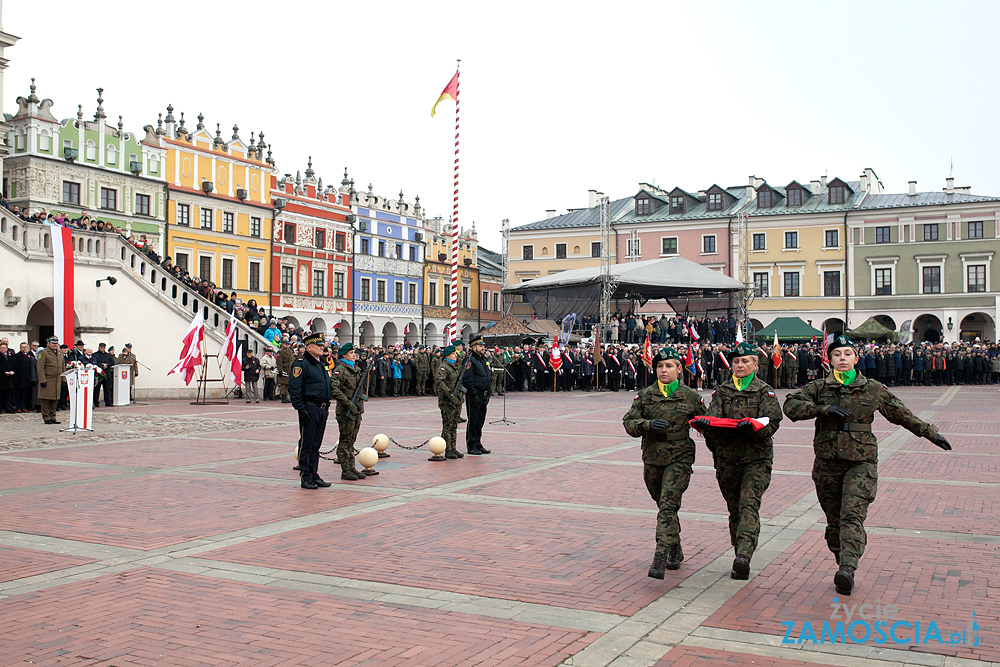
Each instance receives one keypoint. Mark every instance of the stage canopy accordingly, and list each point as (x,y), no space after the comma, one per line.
(872,329)
(688,288)
(788,329)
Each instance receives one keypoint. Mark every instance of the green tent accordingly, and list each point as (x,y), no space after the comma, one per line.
(870,329)
(788,329)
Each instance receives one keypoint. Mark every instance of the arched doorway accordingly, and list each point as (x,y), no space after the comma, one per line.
(366,333)
(977,325)
(389,334)
(431,334)
(41,319)
(886,321)
(343,332)
(318,325)
(834,325)
(466,333)
(927,329)
(755,325)
(410,332)
(292,320)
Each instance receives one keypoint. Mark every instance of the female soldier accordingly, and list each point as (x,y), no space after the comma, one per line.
(660,416)
(845,470)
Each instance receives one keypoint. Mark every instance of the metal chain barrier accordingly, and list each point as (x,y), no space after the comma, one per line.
(410,448)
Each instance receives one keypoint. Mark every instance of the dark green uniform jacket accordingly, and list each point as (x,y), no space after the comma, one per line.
(863,398)
(756,400)
(673,445)
(345,381)
(444,384)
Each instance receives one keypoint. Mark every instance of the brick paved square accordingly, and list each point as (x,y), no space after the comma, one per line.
(928,580)
(580,560)
(162,452)
(18,563)
(940,465)
(696,656)
(158,510)
(22,474)
(151,617)
(963,509)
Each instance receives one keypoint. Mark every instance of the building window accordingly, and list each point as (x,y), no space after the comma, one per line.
(181,260)
(364,247)
(320,238)
(90,152)
(496,301)
(560,251)
(883,281)
(677,204)
(318,279)
(109,199)
(764,199)
(882,235)
(761,285)
(413,254)
(255,227)
(447,295)
(791,239)
(254,283)
(338,242)
(714,201)
(976,276)
(381,248)
(931,232)
(112,155)
(932,279)
(975,231)
(668,245)
(287,279)
(465,297)
(642,206)
(708,244)
(338,285)
(758,242)
(527,252)
(836,194)
(831,238)
(380,287)
(432,294)
(793,197)
(413,292)
(633,248)
(399,292)
(205,267)
(366,289)
(792,283)
(184,214)
(288,232)
(71,192)
(595,249)
(227,274)
(206,218)
(227,222)
(399,251)
(141,204)
(831,283)
(484,300)
(154,164)
(45,142)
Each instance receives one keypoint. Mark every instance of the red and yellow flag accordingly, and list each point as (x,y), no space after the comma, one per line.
(450,92)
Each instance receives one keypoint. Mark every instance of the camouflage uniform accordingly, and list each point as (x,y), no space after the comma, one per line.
(667,456)
(743,460)
(344,381)
(451,406)
(497,365)
(845,470)
(791,367)
(422,361)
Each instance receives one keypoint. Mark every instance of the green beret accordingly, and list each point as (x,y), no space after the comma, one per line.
(839,341)
(478,340)
(744,349)
(314,339)
(664,354)
(448,350)
(345,348)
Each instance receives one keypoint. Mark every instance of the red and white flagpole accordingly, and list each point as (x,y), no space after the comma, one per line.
(63,283)
(454,231)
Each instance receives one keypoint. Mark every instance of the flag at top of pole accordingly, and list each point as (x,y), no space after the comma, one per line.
(451,92)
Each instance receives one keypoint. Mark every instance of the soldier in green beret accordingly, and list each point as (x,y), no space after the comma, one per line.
(845,470)
(450,405)
(743,455)
(660,416)
(344,381)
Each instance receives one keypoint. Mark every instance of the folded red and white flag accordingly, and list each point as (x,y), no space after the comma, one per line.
(725,422)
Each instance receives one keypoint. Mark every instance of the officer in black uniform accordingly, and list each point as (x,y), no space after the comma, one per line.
(477,395)
(309,389)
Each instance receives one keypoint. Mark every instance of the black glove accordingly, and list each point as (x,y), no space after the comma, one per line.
(43,385)
(745,425)
(701,422)
(658,424)
(304,414)
(942,442)
(837,411)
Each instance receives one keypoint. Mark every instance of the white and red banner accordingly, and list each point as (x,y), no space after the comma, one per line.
(191,349)
(236,367)
(725,362)
(555,357)
(80,384)
(776,352)
(693,331)
(63,286)
(231,352)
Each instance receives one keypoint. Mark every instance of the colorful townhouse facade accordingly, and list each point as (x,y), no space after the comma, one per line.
(490,287)
(437,279)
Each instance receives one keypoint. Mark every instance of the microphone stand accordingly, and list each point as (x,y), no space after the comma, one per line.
(503,420)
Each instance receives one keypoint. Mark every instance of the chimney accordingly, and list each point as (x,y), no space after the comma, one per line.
(814,187)
(864,182)
(550,213)
(949,185)
(750,192)
(913,187)
(591,198)
(822,182)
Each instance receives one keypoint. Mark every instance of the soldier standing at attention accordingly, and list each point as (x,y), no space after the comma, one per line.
(846,467)
(743,456)
(660,416)
(309,387)
(477,396)
(50,366)
(423,363)
(285,359)
(450,405)
(346,377)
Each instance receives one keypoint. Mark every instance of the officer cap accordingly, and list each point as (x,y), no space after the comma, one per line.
(448,350)
(839,341)
(744,349)
(478,340)
(314,339)
(664,354)
(52,339)
(345,348)
(128,345)
(79,342)
(102,345)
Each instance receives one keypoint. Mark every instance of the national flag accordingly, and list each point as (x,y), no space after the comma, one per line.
(555,357)
(689,361)
(191,348)
(647,353)
(450,92)
(725,362)
(725,422)
(824,359)
(693,332)
(739,332)
(776,352)
(231,351)
(236,366)
(63,283)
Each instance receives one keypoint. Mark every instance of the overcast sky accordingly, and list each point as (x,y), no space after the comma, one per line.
(557,97)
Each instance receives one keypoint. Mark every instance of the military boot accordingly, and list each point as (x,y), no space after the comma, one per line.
(350,476)
(659,566)
(741,568)
(674,557)
(451,454)
(844,580)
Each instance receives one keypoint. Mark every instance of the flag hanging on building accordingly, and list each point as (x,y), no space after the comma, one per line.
(776,352)
(63,285)
(191,349)
(450,92)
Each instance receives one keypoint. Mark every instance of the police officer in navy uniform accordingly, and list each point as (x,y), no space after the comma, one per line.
(309,389)
(477,395)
